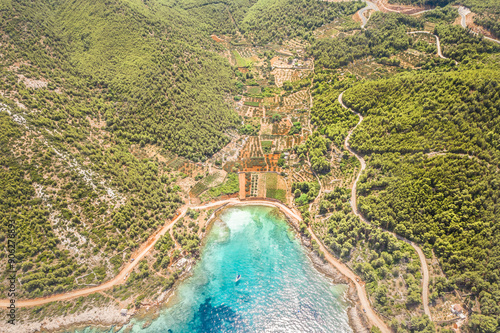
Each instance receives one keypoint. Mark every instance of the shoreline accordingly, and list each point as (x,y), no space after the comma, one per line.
(356,318)
(107,319)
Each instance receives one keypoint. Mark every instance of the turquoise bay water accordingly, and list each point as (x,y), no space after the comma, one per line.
(279,289)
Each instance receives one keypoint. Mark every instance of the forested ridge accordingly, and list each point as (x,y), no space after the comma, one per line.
(90,80)
(432,145)
(160,79)
(386,37)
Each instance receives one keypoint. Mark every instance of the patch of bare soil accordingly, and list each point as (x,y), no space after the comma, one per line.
(469,20)
(32,83)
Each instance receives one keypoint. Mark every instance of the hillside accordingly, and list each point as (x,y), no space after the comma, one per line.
(433,170)
(106,109)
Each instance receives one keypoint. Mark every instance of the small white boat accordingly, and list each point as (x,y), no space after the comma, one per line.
(238,277)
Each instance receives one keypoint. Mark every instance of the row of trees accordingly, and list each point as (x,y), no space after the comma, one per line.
(433,150)
(386,36)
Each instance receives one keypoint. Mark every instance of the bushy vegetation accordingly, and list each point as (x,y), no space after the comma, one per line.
(273,21)
(328,115)
(18,205)
(459,44)
(432,174)
(478,6)
(186,235)
(448,202)
(490,22)
(305,192)
(115,78)
(163,246)
(386,35)
(145,82)
(315,148)
(446,14)
(454,112)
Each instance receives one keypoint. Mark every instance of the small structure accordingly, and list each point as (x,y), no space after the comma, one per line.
(123,312)
(458,310)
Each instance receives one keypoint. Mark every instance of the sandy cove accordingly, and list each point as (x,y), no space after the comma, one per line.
(108,317)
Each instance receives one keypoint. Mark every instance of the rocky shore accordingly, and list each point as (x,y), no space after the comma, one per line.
(109,316)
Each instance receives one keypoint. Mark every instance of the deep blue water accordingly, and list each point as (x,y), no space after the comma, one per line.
(279,291)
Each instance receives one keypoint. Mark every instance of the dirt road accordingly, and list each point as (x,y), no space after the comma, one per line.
(463,12)
(360,286)
(118,279)
(141,252)
(421,256)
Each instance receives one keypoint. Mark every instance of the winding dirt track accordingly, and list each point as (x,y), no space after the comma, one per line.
(421,256)
(360,286)
(463,12)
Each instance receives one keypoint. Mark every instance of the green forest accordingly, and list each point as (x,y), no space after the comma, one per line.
(432,146)
(153,87)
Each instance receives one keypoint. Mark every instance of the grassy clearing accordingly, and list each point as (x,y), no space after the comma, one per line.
(240,61)
(272,190)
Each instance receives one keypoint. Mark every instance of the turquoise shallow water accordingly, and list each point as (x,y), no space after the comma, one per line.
(280,291)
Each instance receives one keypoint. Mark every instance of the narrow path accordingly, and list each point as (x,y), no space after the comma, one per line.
(438,42)
(421,256)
